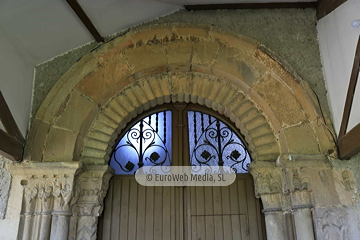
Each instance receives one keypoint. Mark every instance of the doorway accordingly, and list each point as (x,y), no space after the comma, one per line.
(133,211)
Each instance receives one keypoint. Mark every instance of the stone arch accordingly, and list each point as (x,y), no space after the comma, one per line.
(179,87)
(82,115)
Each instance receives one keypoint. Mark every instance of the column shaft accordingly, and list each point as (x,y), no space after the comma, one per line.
(304,224)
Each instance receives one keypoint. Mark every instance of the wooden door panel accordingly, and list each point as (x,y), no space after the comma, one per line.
(136,212)
(209,228)
(229,212)
(219,227)
(243,226)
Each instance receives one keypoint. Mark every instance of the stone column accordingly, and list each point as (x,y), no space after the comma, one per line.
(268,179)
(91,189)
(296,169)
(306,197)
(62,193)
(27,212)
(302,208)
(276,227)
(48,189)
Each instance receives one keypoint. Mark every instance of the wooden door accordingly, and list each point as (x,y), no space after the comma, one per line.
(181,213)
(222,213)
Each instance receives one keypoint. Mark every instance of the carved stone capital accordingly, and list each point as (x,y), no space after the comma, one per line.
(267,178)
(299,182)
(91,188)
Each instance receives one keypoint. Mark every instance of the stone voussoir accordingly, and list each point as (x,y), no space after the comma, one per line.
(60,92)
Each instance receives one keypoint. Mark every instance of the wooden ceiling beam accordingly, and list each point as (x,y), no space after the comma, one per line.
(351,91)
(349,145)
(12,141)
(8,121)
(250,6)
(85,19)
(10,148)
(324,7)
(349,142)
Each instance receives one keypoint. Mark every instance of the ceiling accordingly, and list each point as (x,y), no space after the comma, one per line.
(193,2)
(39,30)
(43,29)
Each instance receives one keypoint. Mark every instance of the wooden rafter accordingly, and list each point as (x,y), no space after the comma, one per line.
(10,148)
(85,20)
(11,141)
(324,7)
(349,145)
(250,6)
(349,142)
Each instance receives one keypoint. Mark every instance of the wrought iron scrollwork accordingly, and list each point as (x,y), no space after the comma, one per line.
(217,144)
(145,144)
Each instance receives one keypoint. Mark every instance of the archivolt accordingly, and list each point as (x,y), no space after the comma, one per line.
(85,111)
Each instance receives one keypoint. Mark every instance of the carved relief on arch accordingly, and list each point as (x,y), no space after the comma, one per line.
(168,63)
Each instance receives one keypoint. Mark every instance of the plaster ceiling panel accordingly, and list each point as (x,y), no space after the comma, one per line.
(112,16)
(194,2)
(42,28)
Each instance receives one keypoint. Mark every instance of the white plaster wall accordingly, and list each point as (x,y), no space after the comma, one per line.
(10,225)
(16,81)
(338,39)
